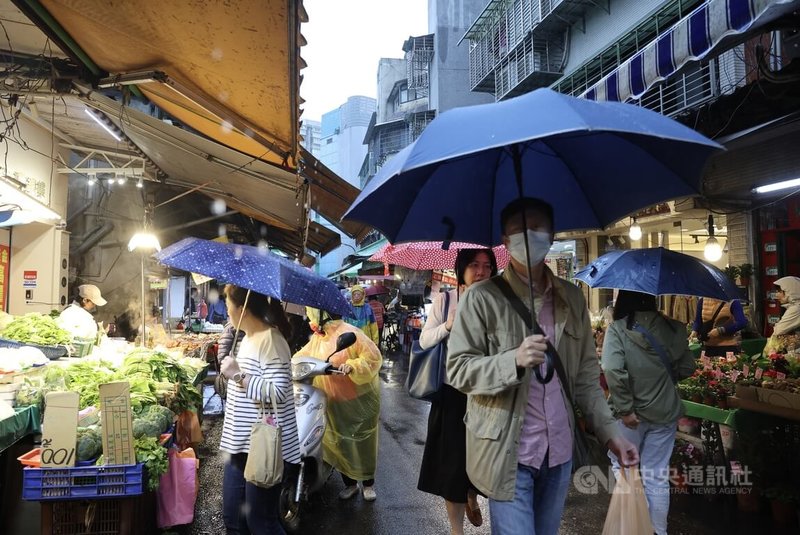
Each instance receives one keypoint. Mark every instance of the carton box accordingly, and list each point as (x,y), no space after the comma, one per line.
(779,398)
(117,422)
(60,430)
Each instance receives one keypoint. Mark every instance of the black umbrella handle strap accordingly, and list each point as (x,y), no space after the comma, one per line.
(551,359)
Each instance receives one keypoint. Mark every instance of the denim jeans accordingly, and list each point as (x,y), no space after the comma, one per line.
(538,501)
(655,442)
(247,508)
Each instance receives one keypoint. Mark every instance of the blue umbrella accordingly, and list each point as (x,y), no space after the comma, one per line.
(595,162)
(256,269)
(658,271)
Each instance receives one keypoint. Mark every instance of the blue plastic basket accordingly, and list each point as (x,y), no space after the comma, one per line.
(51,352)
(81,483)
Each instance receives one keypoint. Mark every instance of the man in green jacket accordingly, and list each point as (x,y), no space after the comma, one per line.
(520,431)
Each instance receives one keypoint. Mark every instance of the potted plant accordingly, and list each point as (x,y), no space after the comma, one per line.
(684,456)
(745,272)
(732,272)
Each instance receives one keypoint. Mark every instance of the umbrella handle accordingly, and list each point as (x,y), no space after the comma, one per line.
(549,369)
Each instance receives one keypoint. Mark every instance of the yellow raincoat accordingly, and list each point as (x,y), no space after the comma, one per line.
(350,443)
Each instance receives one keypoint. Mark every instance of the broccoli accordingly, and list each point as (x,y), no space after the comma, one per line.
(143,427)
(89,444)
(159,414)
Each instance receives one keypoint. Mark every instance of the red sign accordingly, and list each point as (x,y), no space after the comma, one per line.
(5,253)
(30,275)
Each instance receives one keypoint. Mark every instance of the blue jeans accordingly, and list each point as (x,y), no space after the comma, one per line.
(247,508)
(538,501)
(655,442)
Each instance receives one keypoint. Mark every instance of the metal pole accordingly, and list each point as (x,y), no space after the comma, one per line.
(144,333)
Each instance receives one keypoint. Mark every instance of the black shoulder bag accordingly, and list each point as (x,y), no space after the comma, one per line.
(426,367)
(585,447)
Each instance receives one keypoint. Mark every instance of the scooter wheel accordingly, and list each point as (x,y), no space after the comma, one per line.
(289,509)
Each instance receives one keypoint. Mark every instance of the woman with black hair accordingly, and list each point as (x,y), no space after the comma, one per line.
(644,354)
(350,443)
(443,470)
(258,376)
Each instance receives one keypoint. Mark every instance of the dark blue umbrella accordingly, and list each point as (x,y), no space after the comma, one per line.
(595,162)
(256,269)
(658,271)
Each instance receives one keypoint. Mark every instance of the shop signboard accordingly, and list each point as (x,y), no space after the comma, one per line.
(770,247)
(158,284)
(772,271)
(29,279)
(5,253)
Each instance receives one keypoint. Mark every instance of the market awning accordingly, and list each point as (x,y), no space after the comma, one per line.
(231,69)
(709,28)
(348,271)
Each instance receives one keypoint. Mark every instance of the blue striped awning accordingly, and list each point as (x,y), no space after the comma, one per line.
(691,39)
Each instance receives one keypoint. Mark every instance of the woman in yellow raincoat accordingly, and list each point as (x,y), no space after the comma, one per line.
(350,443)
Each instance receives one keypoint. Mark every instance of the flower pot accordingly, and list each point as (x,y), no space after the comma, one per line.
(697,398)
(783,513)
(748,500)
(710,401)
(688,425)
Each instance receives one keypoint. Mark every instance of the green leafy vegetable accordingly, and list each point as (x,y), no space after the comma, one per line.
(154,457)
(35,328)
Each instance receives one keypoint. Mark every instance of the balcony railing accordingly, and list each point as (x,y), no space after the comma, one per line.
(685,91)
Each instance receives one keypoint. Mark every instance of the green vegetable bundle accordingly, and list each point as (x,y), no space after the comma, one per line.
(155,459)
(35,328)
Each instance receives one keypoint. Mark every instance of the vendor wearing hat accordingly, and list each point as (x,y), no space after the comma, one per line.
(362,316)
(787,291)
(78,317)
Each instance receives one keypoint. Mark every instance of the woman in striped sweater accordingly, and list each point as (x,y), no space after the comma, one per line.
(262,366)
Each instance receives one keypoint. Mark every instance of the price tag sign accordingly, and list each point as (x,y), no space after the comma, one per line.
(706,362)
(60,430)
(746,370)
(735,375)
(780,375)
(759,373)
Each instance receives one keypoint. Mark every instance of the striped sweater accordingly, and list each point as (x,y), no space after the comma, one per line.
(266,358)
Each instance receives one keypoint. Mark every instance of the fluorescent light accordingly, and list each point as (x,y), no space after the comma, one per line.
(775,186)
(139,183)
(11,195)
(101,123)
(144,241)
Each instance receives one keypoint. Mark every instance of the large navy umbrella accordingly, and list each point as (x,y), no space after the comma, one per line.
(658,271)
(595,162)
(256,269)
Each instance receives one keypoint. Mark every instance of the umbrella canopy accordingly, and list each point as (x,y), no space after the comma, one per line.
(431,255)
(376,289)
(256,269)
(595,162)
(658,271)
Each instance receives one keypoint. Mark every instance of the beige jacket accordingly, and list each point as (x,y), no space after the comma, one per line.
(481,362)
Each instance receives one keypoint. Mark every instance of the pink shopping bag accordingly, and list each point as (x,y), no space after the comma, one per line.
(177,490)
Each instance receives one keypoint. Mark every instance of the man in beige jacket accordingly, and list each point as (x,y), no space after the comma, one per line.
(519,430)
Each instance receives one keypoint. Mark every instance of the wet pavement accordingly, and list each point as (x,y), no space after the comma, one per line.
(402,509)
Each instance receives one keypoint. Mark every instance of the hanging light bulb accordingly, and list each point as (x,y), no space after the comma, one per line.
(110,181)
(713,250)
(635,233)
(140,183)
(120,179)
(91,178)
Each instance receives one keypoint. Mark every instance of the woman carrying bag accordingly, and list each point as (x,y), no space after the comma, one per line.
(644,354)
(444,471)
(259,387)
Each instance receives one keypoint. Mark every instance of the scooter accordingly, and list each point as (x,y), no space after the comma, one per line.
(310,405)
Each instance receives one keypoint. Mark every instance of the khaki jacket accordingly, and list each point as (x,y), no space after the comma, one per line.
(481,363)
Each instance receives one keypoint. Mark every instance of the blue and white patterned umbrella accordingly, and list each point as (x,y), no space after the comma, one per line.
(257,269)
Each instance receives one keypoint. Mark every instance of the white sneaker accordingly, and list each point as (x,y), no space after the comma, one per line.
(348,492)
(369,494)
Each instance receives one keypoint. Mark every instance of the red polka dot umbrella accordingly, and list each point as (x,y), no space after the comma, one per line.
(430,255)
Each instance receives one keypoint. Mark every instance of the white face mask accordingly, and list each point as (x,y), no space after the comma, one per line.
(538,243)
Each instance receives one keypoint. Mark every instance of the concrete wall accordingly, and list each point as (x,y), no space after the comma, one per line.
(449,21)
(604,27)
(390,71)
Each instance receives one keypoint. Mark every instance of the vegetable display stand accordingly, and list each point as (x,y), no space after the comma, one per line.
(130,516)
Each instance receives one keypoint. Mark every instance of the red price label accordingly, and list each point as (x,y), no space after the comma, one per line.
(759,373)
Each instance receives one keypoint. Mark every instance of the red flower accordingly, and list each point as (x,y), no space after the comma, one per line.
(771,373)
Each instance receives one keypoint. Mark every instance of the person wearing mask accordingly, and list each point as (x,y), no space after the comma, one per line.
(362,316)
(78,317)
(258,375)
(350,443)
(444,463)
(717,325)
(217,311)
(787,292)
(644,354)
(520,430)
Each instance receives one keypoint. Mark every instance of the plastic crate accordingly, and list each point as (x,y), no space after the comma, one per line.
(80,483)
(119,516)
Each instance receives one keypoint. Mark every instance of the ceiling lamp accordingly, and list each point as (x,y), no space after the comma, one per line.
(635,233)
(144,241)
(713,250)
